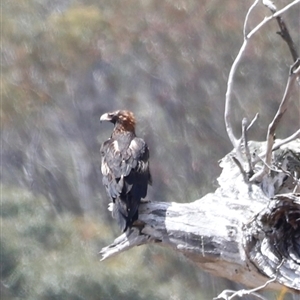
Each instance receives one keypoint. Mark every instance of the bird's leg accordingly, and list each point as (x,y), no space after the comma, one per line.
(139,224)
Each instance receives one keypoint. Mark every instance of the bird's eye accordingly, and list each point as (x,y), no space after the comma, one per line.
(112,116)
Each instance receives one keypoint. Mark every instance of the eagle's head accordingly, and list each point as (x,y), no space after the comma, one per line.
(123,120)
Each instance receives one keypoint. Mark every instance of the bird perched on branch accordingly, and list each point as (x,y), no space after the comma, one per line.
(125,167)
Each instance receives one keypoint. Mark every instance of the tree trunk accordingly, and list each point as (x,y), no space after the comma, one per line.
(248,233)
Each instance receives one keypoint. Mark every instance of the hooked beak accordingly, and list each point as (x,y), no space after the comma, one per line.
(105,117)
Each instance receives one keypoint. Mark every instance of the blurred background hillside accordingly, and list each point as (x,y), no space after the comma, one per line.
(66,62)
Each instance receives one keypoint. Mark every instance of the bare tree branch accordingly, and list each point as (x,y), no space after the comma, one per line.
(247,151)
(228,99)
(280,143)
(294,73)
(268,19)
(253,121)
(284,33)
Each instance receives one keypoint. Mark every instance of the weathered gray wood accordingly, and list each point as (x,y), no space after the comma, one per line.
(216,231)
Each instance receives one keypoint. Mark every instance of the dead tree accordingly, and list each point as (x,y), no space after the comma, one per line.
(248,230)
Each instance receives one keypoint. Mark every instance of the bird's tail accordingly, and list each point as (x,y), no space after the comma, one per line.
(123,215)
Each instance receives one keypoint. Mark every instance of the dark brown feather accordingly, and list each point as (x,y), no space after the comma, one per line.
(125,167)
